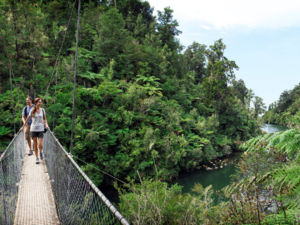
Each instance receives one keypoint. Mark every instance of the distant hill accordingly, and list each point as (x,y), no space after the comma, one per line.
(286,111)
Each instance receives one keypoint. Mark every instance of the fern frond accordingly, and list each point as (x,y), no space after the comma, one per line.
(286,142)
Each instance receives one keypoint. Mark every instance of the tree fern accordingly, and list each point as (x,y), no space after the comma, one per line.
(277,180)
(287,181)
(286,142)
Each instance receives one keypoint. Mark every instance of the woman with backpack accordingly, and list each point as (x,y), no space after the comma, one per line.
(38,126)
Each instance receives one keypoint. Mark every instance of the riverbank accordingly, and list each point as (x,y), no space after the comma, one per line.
(217,172)
(218,177)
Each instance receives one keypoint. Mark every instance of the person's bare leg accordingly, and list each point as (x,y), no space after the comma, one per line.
(28,139)
(29,143)
(35,146)
(40,143)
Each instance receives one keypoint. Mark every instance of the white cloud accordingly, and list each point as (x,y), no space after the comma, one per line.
(205,27)
(231,13)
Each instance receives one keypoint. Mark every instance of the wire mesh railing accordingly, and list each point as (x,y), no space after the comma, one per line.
(78,200)
(11,162)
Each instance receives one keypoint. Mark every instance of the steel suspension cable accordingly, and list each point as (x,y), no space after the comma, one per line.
(102,171)
(10,174)
(78,199)
(56,67)
(18,91)
(53,122)
(75,77)
(12,96)
(59,51)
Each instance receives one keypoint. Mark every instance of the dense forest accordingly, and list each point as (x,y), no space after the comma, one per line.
(143,101)
(265,190)
(285,111)
(149,109)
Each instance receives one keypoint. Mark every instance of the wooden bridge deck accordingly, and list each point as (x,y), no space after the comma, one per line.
(35,205)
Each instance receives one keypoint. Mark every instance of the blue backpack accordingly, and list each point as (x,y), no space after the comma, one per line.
(25,112)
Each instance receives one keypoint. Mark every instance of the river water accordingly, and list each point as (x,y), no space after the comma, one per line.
(218,178)
(271,128)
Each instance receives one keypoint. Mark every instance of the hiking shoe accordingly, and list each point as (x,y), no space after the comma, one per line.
(30,152)
(37,161)
(41,156)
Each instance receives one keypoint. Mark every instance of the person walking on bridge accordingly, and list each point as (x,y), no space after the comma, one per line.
(25,113)
(38,126)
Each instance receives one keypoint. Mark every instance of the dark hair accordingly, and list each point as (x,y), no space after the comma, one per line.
(30,98)
(34,107)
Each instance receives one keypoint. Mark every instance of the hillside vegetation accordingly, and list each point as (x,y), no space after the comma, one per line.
(266,190)
(148,109)
(143,102)
(285,111)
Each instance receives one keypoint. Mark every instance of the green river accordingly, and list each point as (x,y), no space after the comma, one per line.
(218,178)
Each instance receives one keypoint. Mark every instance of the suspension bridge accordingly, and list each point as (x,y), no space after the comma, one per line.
(54,192)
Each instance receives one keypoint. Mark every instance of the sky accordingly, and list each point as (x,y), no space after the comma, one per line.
(261,36)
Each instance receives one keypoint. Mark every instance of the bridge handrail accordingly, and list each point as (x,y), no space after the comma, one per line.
(7,148)
(113,210)
(11,161)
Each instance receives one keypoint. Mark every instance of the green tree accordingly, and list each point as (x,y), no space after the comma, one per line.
(196,60)
(111,40)
(220,73)
(167,29)
(240,90)
(259,106)
(142,104)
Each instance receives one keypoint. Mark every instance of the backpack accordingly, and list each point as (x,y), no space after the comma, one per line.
(25,112)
